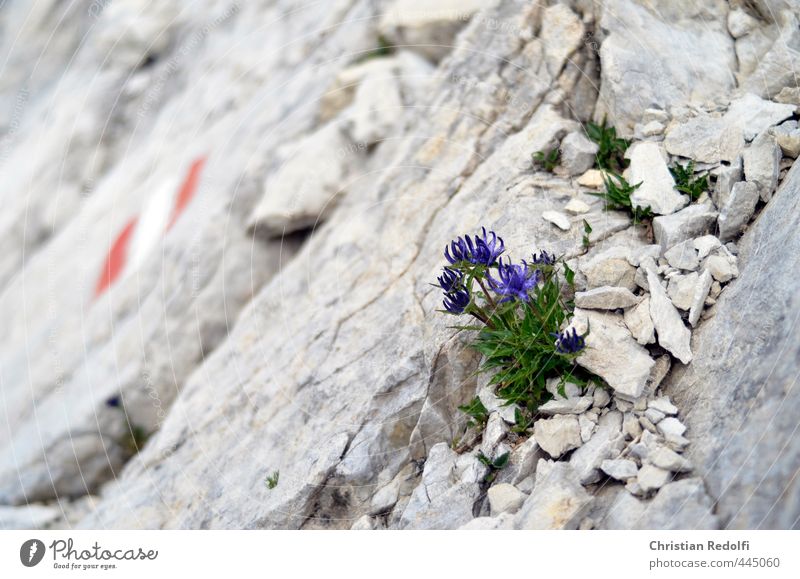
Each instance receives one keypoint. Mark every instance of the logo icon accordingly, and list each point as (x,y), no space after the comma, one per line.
(31,553)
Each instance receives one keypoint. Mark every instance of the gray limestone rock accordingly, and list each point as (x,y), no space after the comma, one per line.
(558,501)
(737,210)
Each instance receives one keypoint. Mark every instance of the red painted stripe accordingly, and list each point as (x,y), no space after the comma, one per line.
(187,190)
(115,262)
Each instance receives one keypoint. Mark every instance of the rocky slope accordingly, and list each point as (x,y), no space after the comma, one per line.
(221,226)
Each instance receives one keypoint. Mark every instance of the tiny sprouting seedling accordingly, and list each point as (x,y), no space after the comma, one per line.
(611,152)
(617,196)
(272,480)
(495,465)
(135,436)
(521,315)
(384,48)
(546,160)
(685,182)
(587,230)
(477,412)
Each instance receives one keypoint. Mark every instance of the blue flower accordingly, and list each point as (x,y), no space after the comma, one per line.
(114,402)
(450,279)
(456,301)
(567,343)
(484,249)
(543,258)
(515,281)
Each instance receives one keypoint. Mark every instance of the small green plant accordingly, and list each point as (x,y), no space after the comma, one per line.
(587,230)
(546,160)
(618,197)
(135,436)
(521,315)
(495,465)
(476,411)
(272,480)
(685,182)
(134,440)
(522,421)
(611,152)
(384,48)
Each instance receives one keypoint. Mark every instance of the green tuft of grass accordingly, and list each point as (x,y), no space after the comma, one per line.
(685,181)
(547,160)
(272,480)
(618,197)
(587,230)
(477,412)
(134,439)
(519,346)
(384,48)
(611,153)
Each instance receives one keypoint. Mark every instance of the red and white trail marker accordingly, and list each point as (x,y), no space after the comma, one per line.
(142,233)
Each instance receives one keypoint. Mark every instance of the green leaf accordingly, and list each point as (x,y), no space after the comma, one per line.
(501,461)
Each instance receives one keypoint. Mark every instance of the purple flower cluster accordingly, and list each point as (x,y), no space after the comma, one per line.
(482,250)
(515,281)
(569,343)
(543,258)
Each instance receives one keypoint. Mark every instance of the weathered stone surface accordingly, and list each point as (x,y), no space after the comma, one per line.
(705,139)
(609,270)
(557,435)
(577,152)
(699,298)
(574,403)
(577,207)
(762,163)
(430,31)
(606,298)
(788,137)
(296,198)
(755,115)
(593,178)
(737,210)
(495,431)
(219,342)
(606,442)
(671,332)
(683,255)
(681,290)
(446,493)
(722,267)
(651,478)
(612,353)
(776,69)
(620,469)
(505,498)
(742,378)
(692,221)
(28,517)
(681,505)
(557,500)
(637,60)
(558,219)
(640,323)
(657,190)
(670,460)
(727,177)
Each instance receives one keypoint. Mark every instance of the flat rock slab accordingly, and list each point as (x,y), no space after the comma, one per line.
(612,353)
